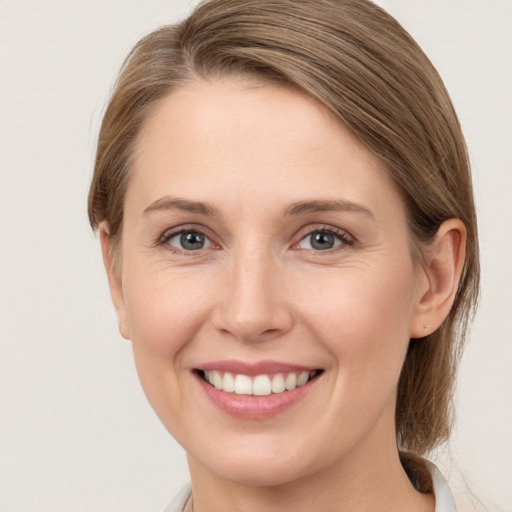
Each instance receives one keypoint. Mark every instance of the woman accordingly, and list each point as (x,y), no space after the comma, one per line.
(285,209)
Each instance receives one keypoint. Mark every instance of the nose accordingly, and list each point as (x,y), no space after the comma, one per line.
(253,305)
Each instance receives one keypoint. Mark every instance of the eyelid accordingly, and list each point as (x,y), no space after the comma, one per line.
(169,233)
(345,237)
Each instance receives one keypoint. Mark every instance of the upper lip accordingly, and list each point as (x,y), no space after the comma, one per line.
(253,369)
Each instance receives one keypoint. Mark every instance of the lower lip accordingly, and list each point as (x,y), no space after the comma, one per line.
(255,407)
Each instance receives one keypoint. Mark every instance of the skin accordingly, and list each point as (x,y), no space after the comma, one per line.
(258,290)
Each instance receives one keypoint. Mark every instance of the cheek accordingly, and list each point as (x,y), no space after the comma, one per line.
(164,317)
(164,313)
(363,319)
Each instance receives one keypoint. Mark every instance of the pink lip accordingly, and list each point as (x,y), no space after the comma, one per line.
(254,369)
(250,406)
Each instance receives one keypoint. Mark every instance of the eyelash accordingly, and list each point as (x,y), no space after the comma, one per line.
(169,235)
(341,235)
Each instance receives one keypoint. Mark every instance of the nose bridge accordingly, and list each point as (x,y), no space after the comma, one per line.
(253,306)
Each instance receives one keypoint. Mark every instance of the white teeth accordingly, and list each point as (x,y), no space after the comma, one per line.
(262,385)
(290,381)
(217,379)
(229,383)
(243,385)
(278,383)
(302,379)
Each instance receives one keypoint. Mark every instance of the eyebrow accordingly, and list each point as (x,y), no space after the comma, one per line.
(176,203)
(295,209)
(315,206)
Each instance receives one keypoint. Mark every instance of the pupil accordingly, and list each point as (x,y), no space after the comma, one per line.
(192,241)
(322,241)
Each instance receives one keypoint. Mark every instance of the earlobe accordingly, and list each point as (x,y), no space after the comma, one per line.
(114,279)
(438,284)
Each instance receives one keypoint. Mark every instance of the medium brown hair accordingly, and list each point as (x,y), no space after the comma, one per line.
(357,61)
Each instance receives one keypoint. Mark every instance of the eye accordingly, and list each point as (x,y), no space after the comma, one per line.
(188,240)
(324,239)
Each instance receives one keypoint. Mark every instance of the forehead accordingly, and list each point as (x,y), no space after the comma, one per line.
(233,138)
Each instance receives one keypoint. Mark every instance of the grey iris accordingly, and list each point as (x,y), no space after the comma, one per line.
(191,240)
(322,241)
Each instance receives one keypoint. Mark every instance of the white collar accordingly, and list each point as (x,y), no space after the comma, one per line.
(444,497)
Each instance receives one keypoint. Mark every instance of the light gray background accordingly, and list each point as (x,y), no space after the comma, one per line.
(76,433)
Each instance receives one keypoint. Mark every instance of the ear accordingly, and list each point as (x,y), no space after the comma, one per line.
(439,278)
(114,280)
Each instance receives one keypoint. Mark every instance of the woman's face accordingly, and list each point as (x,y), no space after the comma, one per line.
(261,239)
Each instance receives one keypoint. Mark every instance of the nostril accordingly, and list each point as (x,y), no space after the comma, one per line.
(270,332)
(251,333)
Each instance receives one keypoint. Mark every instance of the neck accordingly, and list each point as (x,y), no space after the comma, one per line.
(371,479)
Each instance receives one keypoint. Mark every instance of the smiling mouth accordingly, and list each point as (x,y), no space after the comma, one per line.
(259,385)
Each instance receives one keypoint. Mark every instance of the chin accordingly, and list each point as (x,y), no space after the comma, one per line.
(258,474)
(258,467)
